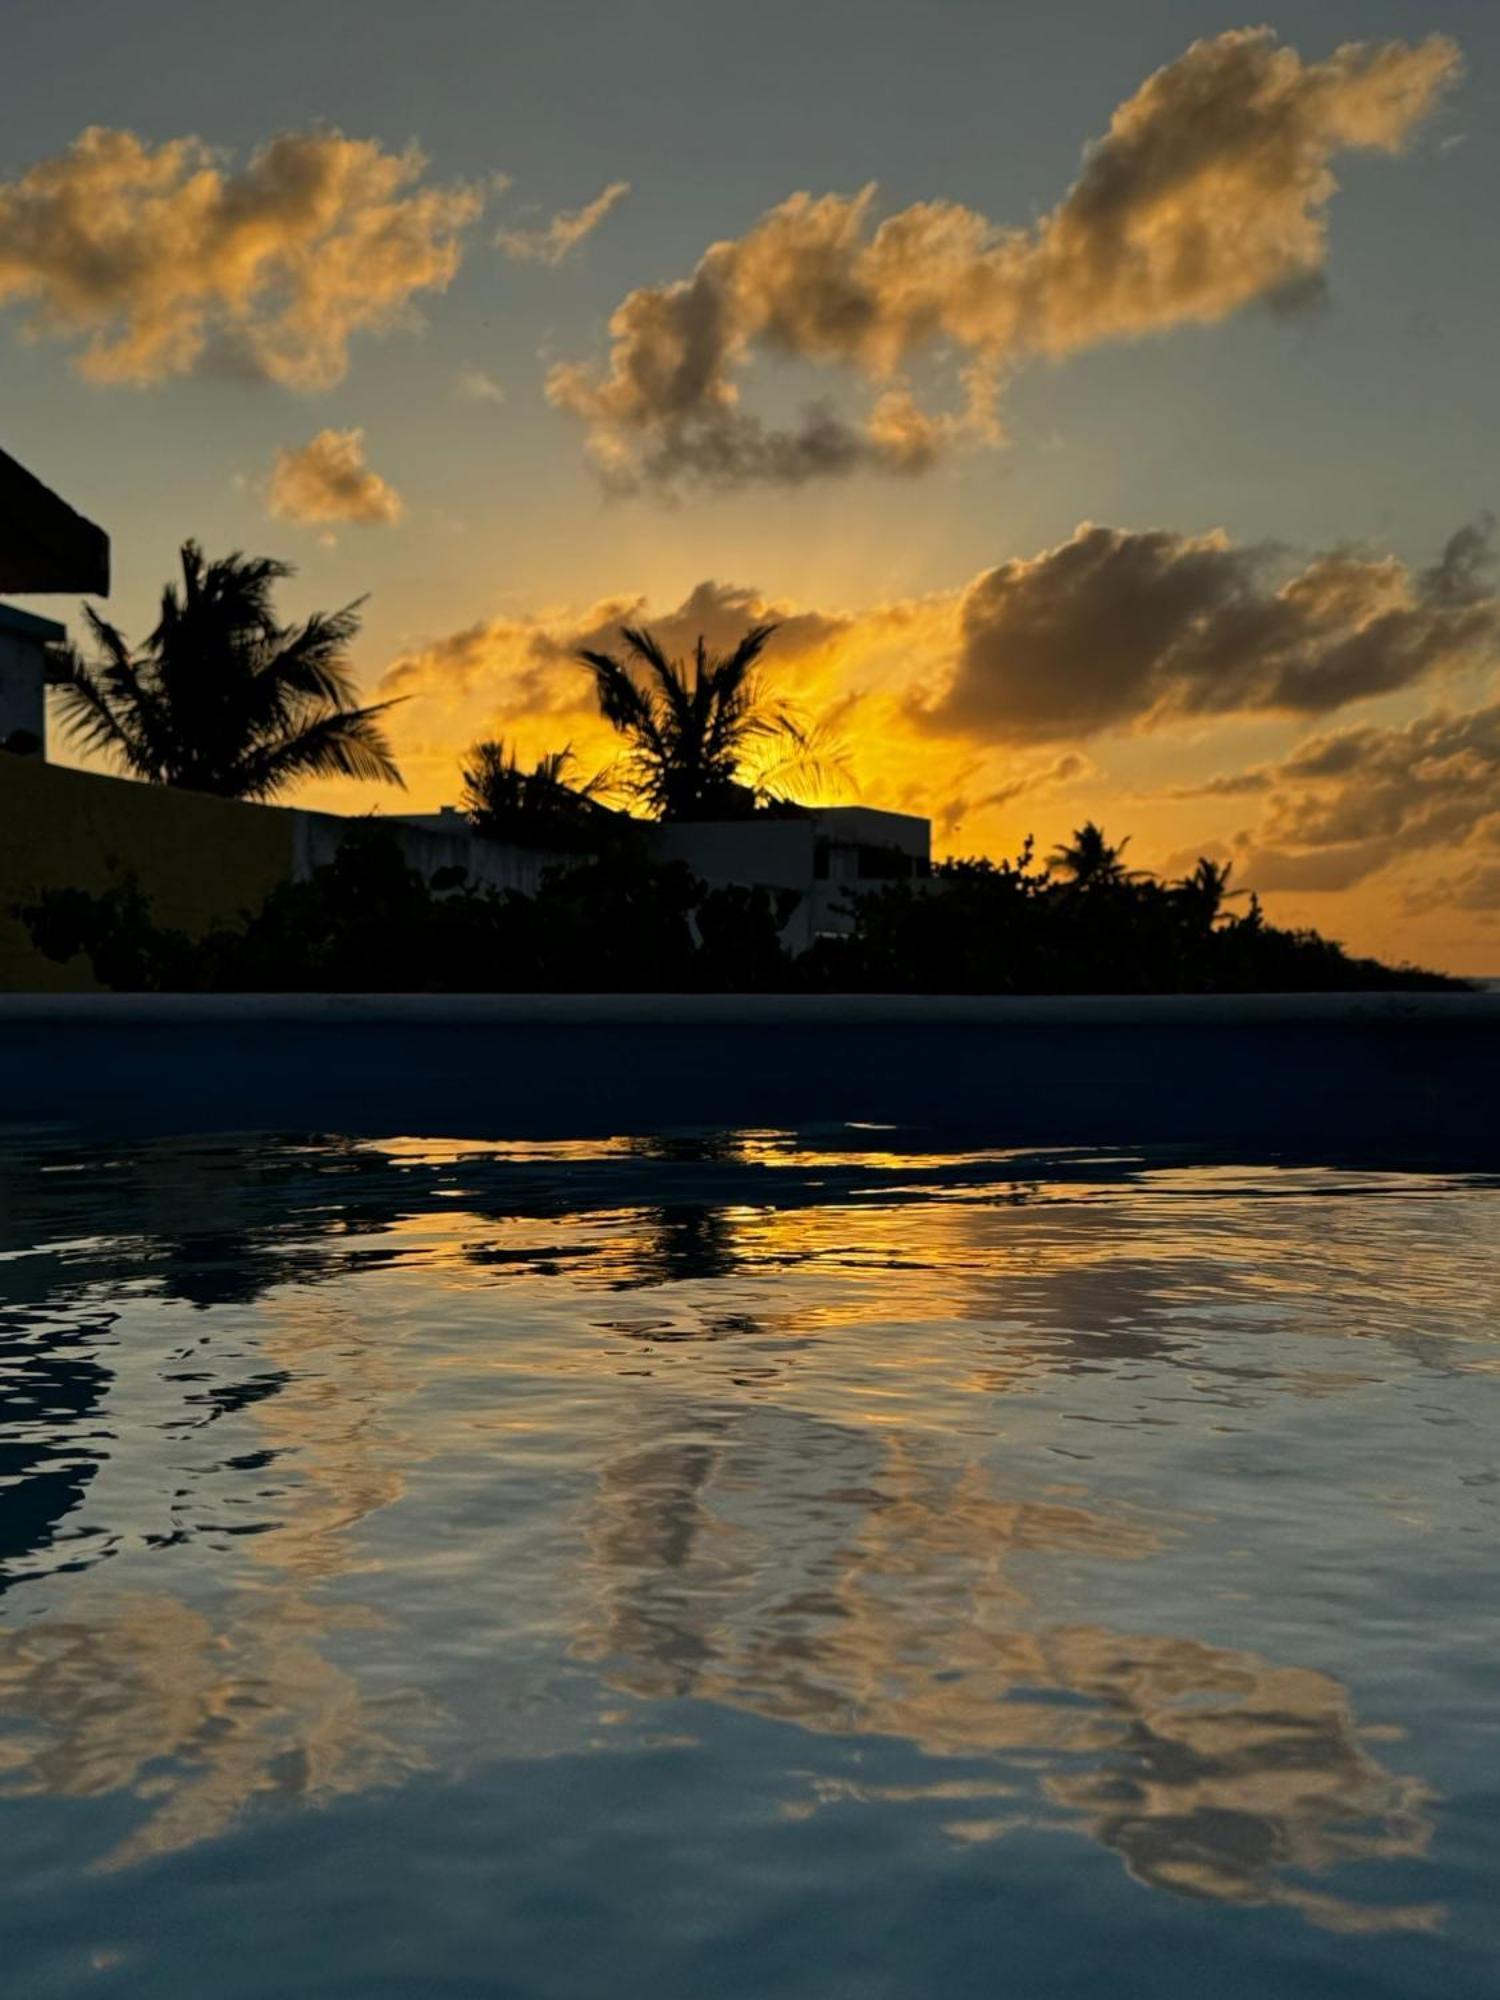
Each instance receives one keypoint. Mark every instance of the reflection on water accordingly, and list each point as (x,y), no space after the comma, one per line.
(1015,1496)
(894,1610)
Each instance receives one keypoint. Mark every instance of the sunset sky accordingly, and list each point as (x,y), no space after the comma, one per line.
(1106,397)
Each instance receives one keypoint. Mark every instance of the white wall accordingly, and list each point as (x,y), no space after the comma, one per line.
(782,854)
(773,853)
(316,838)
(867,826)
(760,853)
(23,671)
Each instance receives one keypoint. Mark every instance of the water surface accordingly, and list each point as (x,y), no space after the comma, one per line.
(755,1565)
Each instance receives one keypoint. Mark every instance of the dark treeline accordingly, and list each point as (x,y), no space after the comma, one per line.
(620,923)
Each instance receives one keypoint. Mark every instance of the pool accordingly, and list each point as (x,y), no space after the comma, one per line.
(823,1562)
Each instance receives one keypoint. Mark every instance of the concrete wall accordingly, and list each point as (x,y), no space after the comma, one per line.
(200,860)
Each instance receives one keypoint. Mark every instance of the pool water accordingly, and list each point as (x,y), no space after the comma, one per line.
(746,1565)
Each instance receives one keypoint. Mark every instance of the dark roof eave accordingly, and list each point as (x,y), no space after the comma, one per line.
(44,545)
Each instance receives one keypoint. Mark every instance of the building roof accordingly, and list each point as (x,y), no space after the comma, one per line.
(18,624)
(44,545)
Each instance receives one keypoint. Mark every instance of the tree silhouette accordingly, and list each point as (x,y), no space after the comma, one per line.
(222,698)
(1202,895)
(692,727)
(1092,862)
(541,806)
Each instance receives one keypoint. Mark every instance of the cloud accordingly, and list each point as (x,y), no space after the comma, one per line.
(1475,890)
(1350,803)
(1063,770)
(567,229)
(1022,782)
(475,386)
(965,702)
(1234,784)
(1209,191)
(529,664)
(327,479)
(1417,786)
(1119,629)
(160,260)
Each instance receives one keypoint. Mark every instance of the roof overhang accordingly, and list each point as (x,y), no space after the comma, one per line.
(24,625)
(44,545)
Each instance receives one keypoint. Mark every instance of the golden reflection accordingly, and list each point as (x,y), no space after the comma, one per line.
(199,1714)
(334,1425)
(197,1718)
(782,1508)
(888,1598)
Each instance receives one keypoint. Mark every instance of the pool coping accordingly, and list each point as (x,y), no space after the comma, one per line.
(744,1010)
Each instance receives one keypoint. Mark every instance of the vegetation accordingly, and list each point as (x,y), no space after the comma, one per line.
(543,807)
(619,923)
(1090,862)
(693,730)
(1095,927)
(221,697)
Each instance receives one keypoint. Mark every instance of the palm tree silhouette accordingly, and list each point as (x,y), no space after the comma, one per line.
(692,726)
(1091,861)
(221,698)
(1203,894)
(506,802)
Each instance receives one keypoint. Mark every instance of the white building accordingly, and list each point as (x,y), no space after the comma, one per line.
(822,855)
(432,843)
(25,662)
(827,854)
(44,547)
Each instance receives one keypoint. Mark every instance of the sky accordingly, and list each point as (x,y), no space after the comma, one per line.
(1103,399)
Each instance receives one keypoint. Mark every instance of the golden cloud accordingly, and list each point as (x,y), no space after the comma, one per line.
(162,261)
(962,703)
(1209,191)
(1351,803)
(518,677)
(567,229)
(1115,629)
(327,479)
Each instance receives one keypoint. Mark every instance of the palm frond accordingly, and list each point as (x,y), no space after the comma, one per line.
(750,648)
(688,723)
(805,757)
(112,705)
(310,659)
(349,743)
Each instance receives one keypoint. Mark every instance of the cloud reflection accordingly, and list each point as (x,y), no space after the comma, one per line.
(743,1452)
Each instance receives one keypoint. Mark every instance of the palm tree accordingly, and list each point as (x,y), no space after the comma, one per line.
(1203,894)
(542,805)
(692,726)
(1091,861)
(221,697)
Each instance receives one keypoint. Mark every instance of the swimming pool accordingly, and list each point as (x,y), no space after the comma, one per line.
(777,1563)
